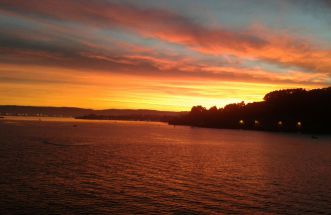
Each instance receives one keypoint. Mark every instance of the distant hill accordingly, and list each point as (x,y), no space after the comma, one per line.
(77,112)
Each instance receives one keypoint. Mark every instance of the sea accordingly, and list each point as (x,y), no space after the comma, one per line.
(69,166)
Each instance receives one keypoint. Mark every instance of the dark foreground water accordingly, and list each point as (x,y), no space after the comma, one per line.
(52,167)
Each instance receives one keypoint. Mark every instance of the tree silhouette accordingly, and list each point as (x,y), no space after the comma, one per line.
(285,110)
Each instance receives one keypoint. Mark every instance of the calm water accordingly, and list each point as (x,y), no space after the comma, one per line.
(139,167)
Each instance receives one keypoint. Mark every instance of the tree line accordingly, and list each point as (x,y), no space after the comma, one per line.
(281,110)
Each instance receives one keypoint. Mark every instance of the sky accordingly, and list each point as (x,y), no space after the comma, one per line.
(163,55)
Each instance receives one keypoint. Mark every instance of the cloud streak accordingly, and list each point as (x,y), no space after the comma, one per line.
(157,44)
(174,28)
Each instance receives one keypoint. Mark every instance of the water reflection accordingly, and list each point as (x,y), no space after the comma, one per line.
(132,167)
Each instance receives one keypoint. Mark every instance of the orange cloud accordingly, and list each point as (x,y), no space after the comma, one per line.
(262,44)
(35,85)
(107,72)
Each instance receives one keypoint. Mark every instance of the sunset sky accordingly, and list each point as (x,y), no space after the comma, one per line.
(164,55)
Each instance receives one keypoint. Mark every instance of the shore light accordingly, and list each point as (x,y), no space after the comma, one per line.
(241,122)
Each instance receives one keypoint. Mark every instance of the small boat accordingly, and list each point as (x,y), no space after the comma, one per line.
(314,137)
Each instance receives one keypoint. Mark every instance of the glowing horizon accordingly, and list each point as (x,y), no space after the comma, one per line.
(159,55)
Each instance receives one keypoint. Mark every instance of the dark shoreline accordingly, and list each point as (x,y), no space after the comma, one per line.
(133,117)
(312,133)
(114,119)
(291,110)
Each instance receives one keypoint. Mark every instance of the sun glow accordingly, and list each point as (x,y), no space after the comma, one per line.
(50,87)
(119,55)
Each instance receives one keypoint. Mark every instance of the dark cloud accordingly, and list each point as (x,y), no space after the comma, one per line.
(157,22)
(26,52)
(162,24)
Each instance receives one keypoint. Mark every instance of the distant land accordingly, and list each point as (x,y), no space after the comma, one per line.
(83,113)
(288,110)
